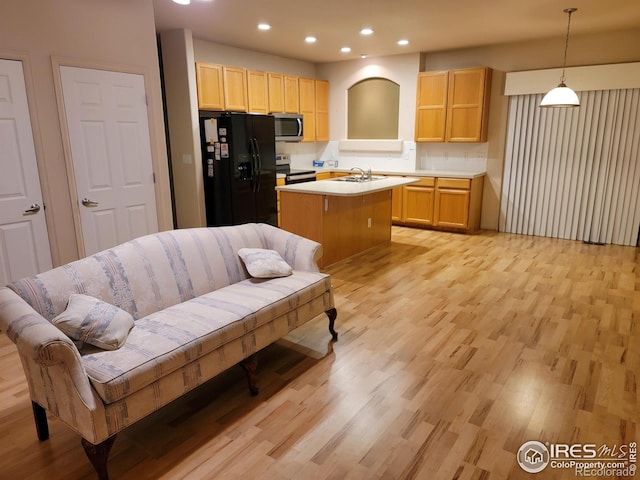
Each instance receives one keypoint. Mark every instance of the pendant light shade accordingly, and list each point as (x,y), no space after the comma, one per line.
(562,96)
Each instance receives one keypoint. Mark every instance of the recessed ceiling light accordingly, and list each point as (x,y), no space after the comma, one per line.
(366,31)
(345,49)
(182,2)
(310,39)
(403,42)
(363,55)
(264,26)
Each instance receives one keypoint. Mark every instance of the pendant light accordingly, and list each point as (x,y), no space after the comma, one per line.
(562,96)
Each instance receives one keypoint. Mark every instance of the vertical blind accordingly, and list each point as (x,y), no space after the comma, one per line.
(574,173)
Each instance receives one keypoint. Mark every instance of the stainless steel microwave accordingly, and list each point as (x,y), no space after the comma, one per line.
(289,127)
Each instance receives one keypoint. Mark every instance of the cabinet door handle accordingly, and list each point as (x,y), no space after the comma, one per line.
(89,203)
(32,210)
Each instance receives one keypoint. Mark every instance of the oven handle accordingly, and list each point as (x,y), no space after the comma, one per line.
(300,178)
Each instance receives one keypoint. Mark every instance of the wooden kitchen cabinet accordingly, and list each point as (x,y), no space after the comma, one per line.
(453,204)
(323,175)
(417,202)
(458,203)
(235,89)
(396,204)
(431,106)
(344,225)
(257,92)
(209,80)
(322,110)
(453,106)
(468,105)
(283,93)
(307,94)
(275,84)
(291,94)
(279,182)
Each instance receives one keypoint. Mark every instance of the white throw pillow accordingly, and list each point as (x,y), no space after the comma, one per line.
(262,263)
(89,320)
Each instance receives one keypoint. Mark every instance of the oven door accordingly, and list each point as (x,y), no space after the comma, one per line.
(299,178)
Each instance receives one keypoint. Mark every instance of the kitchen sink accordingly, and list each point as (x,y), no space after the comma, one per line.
(356,179)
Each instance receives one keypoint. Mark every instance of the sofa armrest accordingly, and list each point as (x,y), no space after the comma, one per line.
(299,252)
(42,346)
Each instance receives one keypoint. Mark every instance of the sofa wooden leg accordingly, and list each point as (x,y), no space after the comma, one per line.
(250,366)
(332,313)
(98,455)
(40,416)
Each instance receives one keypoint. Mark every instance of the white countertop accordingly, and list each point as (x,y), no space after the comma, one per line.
(444,173)
(417,173)
(347,189)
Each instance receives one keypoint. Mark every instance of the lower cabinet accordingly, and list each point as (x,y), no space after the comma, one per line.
(279,182)
(453,204)
(417,202)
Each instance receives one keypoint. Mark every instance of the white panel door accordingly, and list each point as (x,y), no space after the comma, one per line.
(106,116)
(24,243)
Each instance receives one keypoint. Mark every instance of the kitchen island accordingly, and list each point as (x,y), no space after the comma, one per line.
(346,217)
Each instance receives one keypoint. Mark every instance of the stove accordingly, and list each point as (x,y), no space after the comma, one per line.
(283,165)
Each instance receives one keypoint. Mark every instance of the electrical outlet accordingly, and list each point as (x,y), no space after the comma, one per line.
(369,222)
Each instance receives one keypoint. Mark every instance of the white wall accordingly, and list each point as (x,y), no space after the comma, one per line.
(210,52)
(401,69)
(94,34)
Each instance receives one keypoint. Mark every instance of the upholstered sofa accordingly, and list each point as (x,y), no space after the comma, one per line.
(195,310)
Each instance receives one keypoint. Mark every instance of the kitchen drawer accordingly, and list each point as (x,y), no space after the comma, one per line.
(462,183)
(424,182)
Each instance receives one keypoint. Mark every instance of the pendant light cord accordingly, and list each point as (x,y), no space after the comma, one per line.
(566,43)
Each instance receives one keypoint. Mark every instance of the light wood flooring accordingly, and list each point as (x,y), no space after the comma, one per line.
(453,351)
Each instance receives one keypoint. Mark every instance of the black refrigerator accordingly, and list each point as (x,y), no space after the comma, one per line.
(239,168)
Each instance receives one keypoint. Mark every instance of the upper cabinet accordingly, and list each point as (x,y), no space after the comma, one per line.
(322,110)
(221,87)
(431,106)
(276,92)
(291,94)
(283,93)
(210,89)
(453,106)
(235,89)
(307,90)
(257,92)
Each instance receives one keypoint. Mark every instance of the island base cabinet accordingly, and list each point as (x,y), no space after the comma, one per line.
(344,225)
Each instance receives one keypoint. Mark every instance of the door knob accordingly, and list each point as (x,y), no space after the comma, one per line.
(33,209)
(89,203)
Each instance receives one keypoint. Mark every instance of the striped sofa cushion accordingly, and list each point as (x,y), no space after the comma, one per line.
(165,341)
(149,273)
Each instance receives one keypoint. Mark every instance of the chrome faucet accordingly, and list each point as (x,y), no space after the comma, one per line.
(362,173)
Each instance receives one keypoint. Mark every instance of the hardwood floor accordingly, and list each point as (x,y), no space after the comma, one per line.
(454,350)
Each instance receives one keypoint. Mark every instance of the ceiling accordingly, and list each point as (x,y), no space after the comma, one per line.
(429,25)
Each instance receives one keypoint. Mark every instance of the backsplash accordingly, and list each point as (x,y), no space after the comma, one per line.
(452,156)
(414,156)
